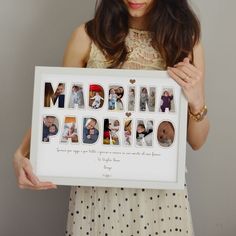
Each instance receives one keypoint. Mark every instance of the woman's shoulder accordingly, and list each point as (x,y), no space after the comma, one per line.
(80,34)
(78,48)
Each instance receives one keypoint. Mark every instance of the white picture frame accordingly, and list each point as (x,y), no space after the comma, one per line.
(144,148)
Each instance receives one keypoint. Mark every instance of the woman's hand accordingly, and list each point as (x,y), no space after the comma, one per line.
(190,78)
(25,176)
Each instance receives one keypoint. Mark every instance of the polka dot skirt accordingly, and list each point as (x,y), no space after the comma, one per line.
(121,211)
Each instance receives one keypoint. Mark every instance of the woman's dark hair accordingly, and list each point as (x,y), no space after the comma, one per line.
(175,28)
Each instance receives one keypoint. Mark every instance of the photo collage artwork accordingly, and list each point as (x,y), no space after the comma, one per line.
(133,102)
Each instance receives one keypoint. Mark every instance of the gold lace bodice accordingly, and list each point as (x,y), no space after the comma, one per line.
(141,53)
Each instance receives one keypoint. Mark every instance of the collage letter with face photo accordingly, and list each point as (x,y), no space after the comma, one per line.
(50,128)
(96,96)
(90,130)
(144,133)
(167,101)
(70,132)
(111,132)
(115,101)
(77,96)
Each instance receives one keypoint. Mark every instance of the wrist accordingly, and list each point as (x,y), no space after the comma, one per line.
(196,107)
(19,154)
(199,115)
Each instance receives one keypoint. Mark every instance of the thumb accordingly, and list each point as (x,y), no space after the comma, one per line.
(29,172)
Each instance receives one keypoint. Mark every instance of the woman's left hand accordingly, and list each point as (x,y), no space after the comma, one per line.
(191,79)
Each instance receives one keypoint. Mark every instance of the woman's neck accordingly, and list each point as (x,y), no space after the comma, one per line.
(139,23)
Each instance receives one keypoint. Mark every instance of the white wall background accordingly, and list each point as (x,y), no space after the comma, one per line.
(35,32)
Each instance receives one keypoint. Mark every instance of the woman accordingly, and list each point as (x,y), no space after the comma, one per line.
(135,34)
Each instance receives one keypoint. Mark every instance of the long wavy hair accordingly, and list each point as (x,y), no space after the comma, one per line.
(175,30)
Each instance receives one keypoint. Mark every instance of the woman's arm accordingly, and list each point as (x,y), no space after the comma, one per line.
(76,55)
(78,49)
(191,78)
(23,169)
(198,131)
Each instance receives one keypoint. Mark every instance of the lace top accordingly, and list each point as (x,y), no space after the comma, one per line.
(141,53)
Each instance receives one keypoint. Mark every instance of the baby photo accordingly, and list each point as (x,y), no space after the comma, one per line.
(50,128)
(115,98)
(131,99)
(90,130)
(147,99)
(127,132)
(52,97)
(144,133)
(111,132)
(76,97)
(70,132)
(165,134)
(167,101)
(96,96)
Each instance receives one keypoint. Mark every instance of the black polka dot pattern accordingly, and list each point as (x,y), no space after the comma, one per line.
(120,211)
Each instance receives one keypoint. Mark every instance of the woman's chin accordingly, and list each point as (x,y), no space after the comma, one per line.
(136,14)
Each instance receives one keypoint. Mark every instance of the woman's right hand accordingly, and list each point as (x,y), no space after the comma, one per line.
(25,176)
